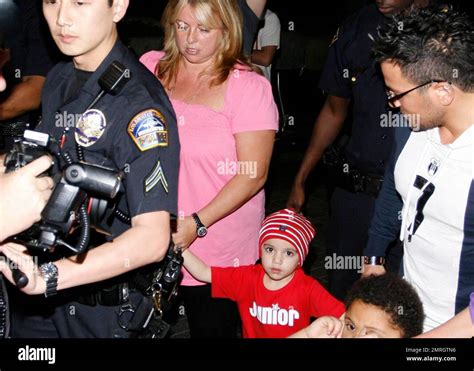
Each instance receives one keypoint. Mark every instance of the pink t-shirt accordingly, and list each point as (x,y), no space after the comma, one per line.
(208,161)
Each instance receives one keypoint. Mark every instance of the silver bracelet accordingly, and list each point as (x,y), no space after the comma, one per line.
(374,260)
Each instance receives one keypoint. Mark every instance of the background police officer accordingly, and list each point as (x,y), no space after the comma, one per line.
(27,54)
(350,75)
(135,131)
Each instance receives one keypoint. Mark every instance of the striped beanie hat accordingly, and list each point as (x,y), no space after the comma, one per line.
(290,226)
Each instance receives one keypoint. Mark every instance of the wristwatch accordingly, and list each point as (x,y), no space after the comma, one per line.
(201,229)
(374,260)
(49,272)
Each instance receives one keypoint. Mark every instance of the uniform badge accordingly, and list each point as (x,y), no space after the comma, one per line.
(157,175)
(90,127)
(148,130)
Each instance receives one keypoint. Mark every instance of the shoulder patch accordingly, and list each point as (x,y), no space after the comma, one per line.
(148,130)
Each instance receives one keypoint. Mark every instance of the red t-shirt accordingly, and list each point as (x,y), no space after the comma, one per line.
(273,314)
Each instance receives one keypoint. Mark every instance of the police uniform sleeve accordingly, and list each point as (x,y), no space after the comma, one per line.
(149,154)
(335,79)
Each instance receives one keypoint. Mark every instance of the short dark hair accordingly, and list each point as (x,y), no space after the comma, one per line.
(394,296)
(431,43)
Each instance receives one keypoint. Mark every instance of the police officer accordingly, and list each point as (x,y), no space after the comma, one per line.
(350,75)
(134,131)
(28,53)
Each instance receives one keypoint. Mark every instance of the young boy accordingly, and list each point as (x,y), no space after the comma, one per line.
(276,298)
(384,306)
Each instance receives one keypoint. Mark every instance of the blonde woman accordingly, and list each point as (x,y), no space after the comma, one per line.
(227,120)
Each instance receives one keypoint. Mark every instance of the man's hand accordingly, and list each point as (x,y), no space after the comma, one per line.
(297,197)
(3,83)
(4,58)
(376,270)
(23,196)
(22,260)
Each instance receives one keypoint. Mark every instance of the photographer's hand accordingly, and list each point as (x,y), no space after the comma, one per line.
(4,58)
(3,83)
(18,257)
(23,195)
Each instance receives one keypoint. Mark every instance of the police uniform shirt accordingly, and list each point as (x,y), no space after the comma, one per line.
(351,72)
(134,131)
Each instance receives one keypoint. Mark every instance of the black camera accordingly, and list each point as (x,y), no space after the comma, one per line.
(83,193)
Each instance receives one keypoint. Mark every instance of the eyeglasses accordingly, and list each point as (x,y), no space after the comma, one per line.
(391,98)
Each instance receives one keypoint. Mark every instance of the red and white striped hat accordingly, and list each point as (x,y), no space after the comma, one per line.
(290,226)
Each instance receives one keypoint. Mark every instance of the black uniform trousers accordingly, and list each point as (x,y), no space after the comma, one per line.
(40,317)
(350,218)
(209,317)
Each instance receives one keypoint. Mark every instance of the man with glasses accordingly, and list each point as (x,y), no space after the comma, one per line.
(428,191)
(350,76)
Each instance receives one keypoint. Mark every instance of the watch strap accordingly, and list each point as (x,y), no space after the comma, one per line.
(49,271)
(197,220)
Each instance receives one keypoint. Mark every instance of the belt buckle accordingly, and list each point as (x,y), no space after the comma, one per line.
(115,296)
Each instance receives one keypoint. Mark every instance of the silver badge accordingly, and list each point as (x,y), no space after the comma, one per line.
(90,127)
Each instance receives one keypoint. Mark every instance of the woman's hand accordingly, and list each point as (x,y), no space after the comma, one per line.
(21,259)
(186,232)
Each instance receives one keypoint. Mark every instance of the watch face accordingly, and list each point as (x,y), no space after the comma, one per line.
(202,231)
(49,270)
